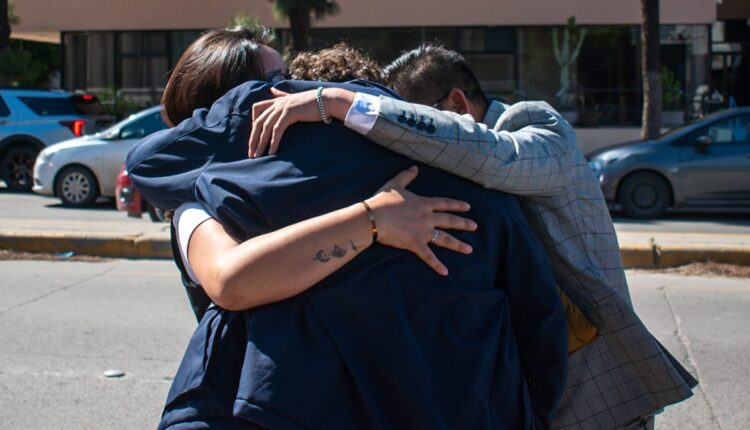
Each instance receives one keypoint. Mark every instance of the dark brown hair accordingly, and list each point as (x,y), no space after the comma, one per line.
(341,63)
(427,74)
(213,64)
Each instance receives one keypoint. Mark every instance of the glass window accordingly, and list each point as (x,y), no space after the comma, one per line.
(88,105)
(4,111)
(145,59)
(155,72)
(76,59)
(180,41)
(500,40)
(130,43)
(155,43)
(143,127)
(471,40)
(607,77)
(445,36)
(50,106)
(101,60)
(131,72)
(496,73)
(729,131)
(539,73)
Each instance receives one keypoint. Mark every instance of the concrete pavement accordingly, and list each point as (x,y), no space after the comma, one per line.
(140,239)
(63,324)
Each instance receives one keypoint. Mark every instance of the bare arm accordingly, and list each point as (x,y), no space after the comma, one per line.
(286,262)
(530,151)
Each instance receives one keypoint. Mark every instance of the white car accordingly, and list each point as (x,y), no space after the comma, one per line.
(80,170)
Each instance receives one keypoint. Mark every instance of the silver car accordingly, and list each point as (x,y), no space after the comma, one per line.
(704,165)
(80,170)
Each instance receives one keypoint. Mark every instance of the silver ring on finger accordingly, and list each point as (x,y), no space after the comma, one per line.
(435,236)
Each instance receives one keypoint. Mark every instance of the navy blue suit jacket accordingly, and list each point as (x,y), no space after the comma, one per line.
(382,343)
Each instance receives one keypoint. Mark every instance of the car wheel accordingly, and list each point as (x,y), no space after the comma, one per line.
(17,168)
(76,187)
(644,195)
(156,214)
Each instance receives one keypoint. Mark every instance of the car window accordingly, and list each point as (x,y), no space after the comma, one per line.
(742,129)
(87,104)
(4,111)
(728,131)
(142,127)
(50,106)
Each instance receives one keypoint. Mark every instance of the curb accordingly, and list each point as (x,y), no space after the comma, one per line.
(634,256)
(100,246)
(660,256)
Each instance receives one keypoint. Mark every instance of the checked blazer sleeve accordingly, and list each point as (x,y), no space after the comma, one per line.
(529,151)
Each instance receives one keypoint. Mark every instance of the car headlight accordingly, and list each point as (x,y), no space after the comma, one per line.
(45,156)
(597,166)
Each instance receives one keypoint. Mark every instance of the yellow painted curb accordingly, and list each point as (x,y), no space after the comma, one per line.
(100,246)
(634,256)
(656,256)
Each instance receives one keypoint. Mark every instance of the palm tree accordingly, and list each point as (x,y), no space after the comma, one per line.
(300,14)
(650,70)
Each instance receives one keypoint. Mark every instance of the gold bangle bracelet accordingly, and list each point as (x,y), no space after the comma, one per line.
(373,225)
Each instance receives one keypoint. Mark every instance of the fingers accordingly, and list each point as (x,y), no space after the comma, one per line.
(278,93)
(269,124)
(403,179)
(425,254)
(448,241)
(260,107)
(453,222)
(444,204)
(261,112)
(278,132)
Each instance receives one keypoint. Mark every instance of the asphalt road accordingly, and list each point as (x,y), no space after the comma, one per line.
(63,324)
(34,206)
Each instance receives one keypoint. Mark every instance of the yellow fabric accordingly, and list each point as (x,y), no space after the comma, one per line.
(581,331)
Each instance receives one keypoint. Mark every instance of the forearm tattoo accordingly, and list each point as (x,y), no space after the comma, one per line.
(324,256)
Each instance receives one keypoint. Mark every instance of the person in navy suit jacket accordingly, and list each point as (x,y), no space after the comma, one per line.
(383,342)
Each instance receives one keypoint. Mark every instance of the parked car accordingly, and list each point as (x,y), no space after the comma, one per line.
(129,199)
(33,119)
(80,170)
(704,165)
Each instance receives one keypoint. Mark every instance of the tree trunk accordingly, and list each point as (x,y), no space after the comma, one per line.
(299,26)
(650,70)
(4,26)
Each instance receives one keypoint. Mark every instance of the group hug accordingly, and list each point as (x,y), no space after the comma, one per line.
(372,247)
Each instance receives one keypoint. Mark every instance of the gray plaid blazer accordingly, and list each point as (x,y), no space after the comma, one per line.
(528,149)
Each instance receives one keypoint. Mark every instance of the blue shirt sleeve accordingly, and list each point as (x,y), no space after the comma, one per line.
(166,165)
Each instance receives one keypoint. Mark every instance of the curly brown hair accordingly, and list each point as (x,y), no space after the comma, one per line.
(341,63)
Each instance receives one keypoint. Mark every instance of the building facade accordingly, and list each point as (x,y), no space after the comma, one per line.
(520,49)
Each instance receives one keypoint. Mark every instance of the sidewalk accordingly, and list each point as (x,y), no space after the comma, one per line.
(144,239)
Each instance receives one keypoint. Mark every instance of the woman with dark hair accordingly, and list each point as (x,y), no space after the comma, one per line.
(213,64)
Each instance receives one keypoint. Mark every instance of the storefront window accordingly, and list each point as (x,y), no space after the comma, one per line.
(489,50)
(144,60)
(593,78)
(685,76)
(101,64)
(608,78)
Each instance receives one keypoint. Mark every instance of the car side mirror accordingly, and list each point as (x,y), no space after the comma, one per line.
(703,142)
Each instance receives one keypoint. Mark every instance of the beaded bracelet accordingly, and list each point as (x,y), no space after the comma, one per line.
(321,107)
